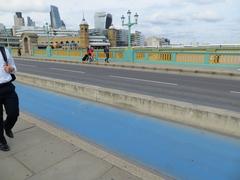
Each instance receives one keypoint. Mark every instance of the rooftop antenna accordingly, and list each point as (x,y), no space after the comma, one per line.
(83,17)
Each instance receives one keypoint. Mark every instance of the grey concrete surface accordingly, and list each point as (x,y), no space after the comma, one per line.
(79,166)
(12,169)
(117,174)
(213,119)
(36,154)
(26,138)
(52,149)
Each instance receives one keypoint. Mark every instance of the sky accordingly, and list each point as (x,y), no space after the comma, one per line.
(181,21)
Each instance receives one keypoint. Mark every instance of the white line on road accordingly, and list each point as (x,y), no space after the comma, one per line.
(68,70)
(235,92)
(159,82)
(28,65)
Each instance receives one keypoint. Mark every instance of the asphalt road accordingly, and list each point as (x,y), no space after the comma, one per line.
(220,93)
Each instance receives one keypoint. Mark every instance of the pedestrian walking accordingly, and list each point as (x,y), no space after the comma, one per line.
(19,52)
(8,97)
(106,51)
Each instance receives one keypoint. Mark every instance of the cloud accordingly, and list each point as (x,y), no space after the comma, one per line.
(163,18)
(204,2)
(207,16)
(179,20)
(23,6)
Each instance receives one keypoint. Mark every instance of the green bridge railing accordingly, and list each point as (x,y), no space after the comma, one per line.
(195,56)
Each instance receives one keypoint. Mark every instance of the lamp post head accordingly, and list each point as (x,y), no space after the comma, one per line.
(129,13)
(46,27)
(136,18)
(122,18)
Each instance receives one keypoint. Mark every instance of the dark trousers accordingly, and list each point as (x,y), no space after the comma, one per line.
(8,100)
(107,56)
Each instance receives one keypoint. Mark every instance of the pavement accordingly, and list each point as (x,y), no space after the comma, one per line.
(36,154)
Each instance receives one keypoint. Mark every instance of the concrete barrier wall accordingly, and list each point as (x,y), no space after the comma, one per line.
(213,119)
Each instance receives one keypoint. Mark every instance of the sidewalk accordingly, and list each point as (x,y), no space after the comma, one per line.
(36,154)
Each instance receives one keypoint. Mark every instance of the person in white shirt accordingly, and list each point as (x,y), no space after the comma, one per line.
(8,98)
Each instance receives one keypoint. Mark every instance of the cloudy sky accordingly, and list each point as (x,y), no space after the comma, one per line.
(182,21)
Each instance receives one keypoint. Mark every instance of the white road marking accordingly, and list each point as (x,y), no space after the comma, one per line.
(158,82)
(28,65)
(235,92)
(68,70)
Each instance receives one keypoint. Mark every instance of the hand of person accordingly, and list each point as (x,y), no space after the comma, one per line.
(8,68)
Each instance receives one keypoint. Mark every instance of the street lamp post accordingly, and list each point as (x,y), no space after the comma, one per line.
(129,24)
(6,34)
(48,43)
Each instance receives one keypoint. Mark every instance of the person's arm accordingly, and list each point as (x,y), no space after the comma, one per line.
(11,64)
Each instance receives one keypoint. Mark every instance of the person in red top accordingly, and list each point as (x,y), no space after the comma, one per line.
(90,53)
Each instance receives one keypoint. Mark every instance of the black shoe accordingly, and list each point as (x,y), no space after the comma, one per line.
(9,133)
(4,147)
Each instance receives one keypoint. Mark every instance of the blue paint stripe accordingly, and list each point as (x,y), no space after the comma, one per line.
(169,148)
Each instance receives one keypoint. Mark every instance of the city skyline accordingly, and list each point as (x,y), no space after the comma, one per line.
(181,21)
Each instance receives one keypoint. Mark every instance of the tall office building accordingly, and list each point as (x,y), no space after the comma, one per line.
(122,37)
(137,39)
(155,41)
(99,20)
(56,21)
(18,19)
(102,20)
(63,24)
(2,27)
(30,22)
(108,21)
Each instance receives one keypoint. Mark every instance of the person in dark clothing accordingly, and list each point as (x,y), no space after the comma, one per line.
(106,51)
(19,52)
(8,97)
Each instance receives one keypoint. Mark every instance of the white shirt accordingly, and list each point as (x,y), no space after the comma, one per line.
(4,76)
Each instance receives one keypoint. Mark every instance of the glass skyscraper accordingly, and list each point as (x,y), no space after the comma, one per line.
(102,20)
(18,19)
(99,20)
(108,21)
(30,22)
(56,21)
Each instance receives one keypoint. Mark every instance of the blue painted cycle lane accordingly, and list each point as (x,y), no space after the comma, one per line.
(172,149)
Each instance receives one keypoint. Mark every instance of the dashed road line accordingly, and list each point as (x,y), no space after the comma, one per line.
(144,80)
(68,70)
(28,65)
(235,92)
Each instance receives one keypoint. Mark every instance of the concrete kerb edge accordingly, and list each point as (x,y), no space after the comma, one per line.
(200,72)
(213,119)
(96,151)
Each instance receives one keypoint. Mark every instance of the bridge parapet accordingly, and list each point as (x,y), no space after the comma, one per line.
(197,56)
